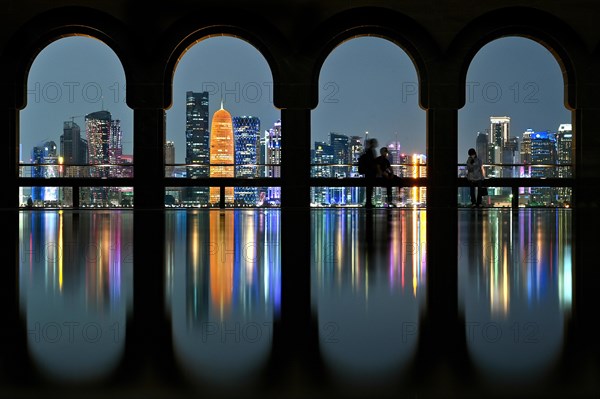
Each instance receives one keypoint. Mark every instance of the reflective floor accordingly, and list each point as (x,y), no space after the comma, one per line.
(197,306)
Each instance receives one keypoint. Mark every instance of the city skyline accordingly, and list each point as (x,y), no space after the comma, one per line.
(510,76)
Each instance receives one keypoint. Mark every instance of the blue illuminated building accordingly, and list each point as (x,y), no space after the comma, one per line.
(44,153)
(246,132)
(543,152)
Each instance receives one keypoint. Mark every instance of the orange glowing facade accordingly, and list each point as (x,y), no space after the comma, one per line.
(221,152)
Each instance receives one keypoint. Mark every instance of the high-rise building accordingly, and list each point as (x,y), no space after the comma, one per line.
(115,142)
(273,150)
(169,158)
(482,143)
(273,158)
(98,131)
(104,137)
(356,148)
(564,150)
(394,149)
(221,153)
(69,143)
(44,153)
(197,143)
(197,137)
(73,149)
(323,155)
(499,129)
(543,152)
(526,146)
(415,195)
(246,131)
(499,134)
(341,154)
(341,159)
(510,156)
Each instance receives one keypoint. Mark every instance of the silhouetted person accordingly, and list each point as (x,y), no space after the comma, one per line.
(29,202)
(386,174)
(475,175)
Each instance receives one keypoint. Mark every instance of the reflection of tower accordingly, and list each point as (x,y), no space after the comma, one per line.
(221,261)
(197,261)
(196,142)
(221,152)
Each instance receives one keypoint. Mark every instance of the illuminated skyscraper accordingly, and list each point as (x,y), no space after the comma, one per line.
(499,134)
(98,131)
(246,130)
(197,136)
(273,157)
(395,155)
(394,150)
(543,152)
(44,153)
(197,140)
(416,195)
(115,142)
(221,152)
(273,153)
(322,155)
(500,129)
(482,143)
(526,146)
(104,137)
(73,149)
(564,150)
(69,142)
(169,158)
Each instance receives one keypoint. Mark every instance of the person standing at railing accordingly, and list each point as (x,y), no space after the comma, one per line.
(475,175)
(371,171)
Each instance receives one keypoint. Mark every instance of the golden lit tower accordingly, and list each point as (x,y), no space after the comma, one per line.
(221,152)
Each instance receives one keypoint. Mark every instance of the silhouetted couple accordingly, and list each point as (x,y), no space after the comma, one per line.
(379,173)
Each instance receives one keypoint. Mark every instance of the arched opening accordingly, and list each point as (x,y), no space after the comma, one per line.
(516,121)
(368,88)
(76,125)
(223,124)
